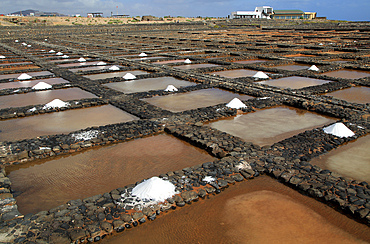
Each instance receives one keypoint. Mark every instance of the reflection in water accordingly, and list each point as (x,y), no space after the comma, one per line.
(272,125)
(143,85)
(43,97)
(114,74)
(31,83)
(236,73)
(350,160)
(257,211)
(359,94)
(347,74)
(195,66)
(292,67)
(195,99)
(294,82)
(61,122)
(50,183)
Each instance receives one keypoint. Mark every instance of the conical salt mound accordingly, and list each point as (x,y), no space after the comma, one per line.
(155,189)
(339,130)
(81,60)
(16,41)
(101,63)
(59,53)
(65,56)
(24,76)
(171,88)
(41,86)
(236,103)
(1,56)
(187,61)
(56,103)
(114,67)
(143,55)
(260,75)
(313,68)
(51,51)
(129,76)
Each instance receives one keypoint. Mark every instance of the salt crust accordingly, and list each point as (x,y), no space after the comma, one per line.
(154,189)
(209,179)
(85,135)
(171,88)
(56,103)
(24,76)
(338,129)
(236,103)
(260,75)
(41,86)
(129,76)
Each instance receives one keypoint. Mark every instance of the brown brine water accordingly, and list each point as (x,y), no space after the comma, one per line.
(294,82)
(359,94)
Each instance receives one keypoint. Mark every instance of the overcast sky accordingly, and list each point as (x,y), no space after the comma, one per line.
(332,9)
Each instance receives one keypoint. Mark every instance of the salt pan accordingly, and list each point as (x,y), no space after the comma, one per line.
(313,68)
(143,55)
(187,61)
(338,129)
(114,67)
(24,76)
(56,103)
(236,103)
(155,189)
(129,76)
(42,86)
(101,63)
(81,60)
(260,75)
(171,88)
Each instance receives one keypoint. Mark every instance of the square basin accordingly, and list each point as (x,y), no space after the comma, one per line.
(358,94)
(114,74)
(61,122)
(294,82)
(43,97)
(251,61)
(31,83)
(268,126)
(196,99)
(98,67)
(195,66)
(15,67)
(348,74)
(236,73)
(78,64)
(292,67)
(15,76)
(169,61)
(350,160)
(148,58)
(44,184)
(159,83)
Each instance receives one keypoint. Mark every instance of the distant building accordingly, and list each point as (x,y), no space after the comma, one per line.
(92,15)
(288,14)
(259,13)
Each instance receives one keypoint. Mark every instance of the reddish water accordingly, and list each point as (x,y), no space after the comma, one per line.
(294,82)
(350,160)
(43,97)
(19,67)
(48,183)
(15,63)
(195,66)
(293,67)
(195,99)
(251,61)
(38,73)
(272,125)
(256,211)
(114,74)
(236,73)
(142,85)
(348,74)
(61,122)
(31,83)
(359,94)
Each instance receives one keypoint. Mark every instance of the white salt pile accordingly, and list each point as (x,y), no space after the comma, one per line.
(16,41)
(129,76)
(171,88)
(155,189)
(52,51)
(187,61)
(56,103)
(114,67)
(313,68)
(65,56)
(24,76)
(24,44)
(236,103)
(81,60)
(46,40)
(101,63)
(143,55)
(338,129)
(42,86)
(1,56)
(209,179)
(59,53)
(28,45)
(260,75)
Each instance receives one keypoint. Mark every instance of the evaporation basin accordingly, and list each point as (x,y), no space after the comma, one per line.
(294,82)
(358,94)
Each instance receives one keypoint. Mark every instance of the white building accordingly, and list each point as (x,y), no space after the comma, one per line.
(259,13)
